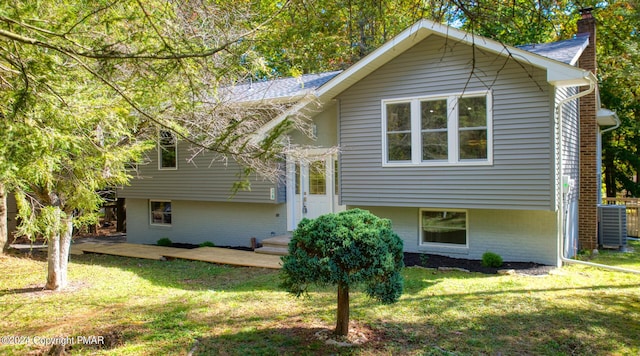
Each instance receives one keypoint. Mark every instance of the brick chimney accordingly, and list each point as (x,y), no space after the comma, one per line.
(589,130)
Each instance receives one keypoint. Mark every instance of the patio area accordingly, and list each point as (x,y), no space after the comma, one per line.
(207,254)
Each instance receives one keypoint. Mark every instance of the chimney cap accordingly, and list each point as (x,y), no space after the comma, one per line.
(586,12)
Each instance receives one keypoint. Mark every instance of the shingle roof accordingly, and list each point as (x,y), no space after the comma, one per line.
(280,88)
(566,51)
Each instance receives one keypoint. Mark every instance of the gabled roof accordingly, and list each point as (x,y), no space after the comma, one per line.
(556,59)
(558,73)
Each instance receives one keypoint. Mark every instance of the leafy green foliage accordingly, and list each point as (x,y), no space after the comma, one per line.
(424,259)
(517,22)
(347,248)
(335,34)
(207,244)
(165,241)
(491,259)
(619,72)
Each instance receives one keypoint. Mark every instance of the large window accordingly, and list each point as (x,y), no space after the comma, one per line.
(443,227)
(167,150)
(438,130)
(160,212)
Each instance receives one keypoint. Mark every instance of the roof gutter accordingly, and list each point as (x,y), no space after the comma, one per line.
(592,86)
(618,123)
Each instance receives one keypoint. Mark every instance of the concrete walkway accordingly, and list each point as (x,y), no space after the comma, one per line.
(207,254)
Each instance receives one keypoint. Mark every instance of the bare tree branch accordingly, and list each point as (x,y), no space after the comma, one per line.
(94,54)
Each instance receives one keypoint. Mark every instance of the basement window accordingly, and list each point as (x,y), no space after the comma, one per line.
(443,227)
(160,212)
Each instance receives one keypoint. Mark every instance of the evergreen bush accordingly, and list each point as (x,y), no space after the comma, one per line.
(165,241)
(490,259)
(345,249)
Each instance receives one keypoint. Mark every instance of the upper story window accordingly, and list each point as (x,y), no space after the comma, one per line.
(438,130)
(167,150)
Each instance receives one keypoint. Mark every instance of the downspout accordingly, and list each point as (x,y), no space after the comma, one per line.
(612,127)
(561,233)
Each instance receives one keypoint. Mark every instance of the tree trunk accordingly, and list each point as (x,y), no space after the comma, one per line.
(53,262)
(121,215)
(59,245)
(342,323)
(4,233)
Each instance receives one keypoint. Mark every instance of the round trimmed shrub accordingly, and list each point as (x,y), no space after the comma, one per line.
(165,241)
(490,259)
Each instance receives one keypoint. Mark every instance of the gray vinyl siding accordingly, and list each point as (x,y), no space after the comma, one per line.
(208,179)
(521,176)
(204,179)
(570,136)
(326,127)
(570,161)
(516,235)
(223,223)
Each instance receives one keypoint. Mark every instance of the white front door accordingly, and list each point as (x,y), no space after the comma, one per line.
(311,188)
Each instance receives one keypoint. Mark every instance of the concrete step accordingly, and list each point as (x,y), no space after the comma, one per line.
(272,251)
(278,245)
(277,241)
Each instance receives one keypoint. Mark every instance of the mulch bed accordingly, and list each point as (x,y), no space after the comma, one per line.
(437,261)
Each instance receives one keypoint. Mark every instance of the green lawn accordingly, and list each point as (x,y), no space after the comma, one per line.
(173,307)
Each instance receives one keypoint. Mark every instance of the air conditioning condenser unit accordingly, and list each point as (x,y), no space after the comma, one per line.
(612,226)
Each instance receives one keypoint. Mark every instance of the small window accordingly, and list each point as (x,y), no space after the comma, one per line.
(399,132)
(472,119)
(298,178)
(167,150)
(443,227)
(433,118)
(160,212)
(336,176)
(317,178)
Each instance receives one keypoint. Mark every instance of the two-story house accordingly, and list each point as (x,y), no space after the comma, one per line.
(466,144)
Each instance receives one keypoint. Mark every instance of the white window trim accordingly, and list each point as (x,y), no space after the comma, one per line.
(160,167)
(452,131)
(440,244)
(151,212)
